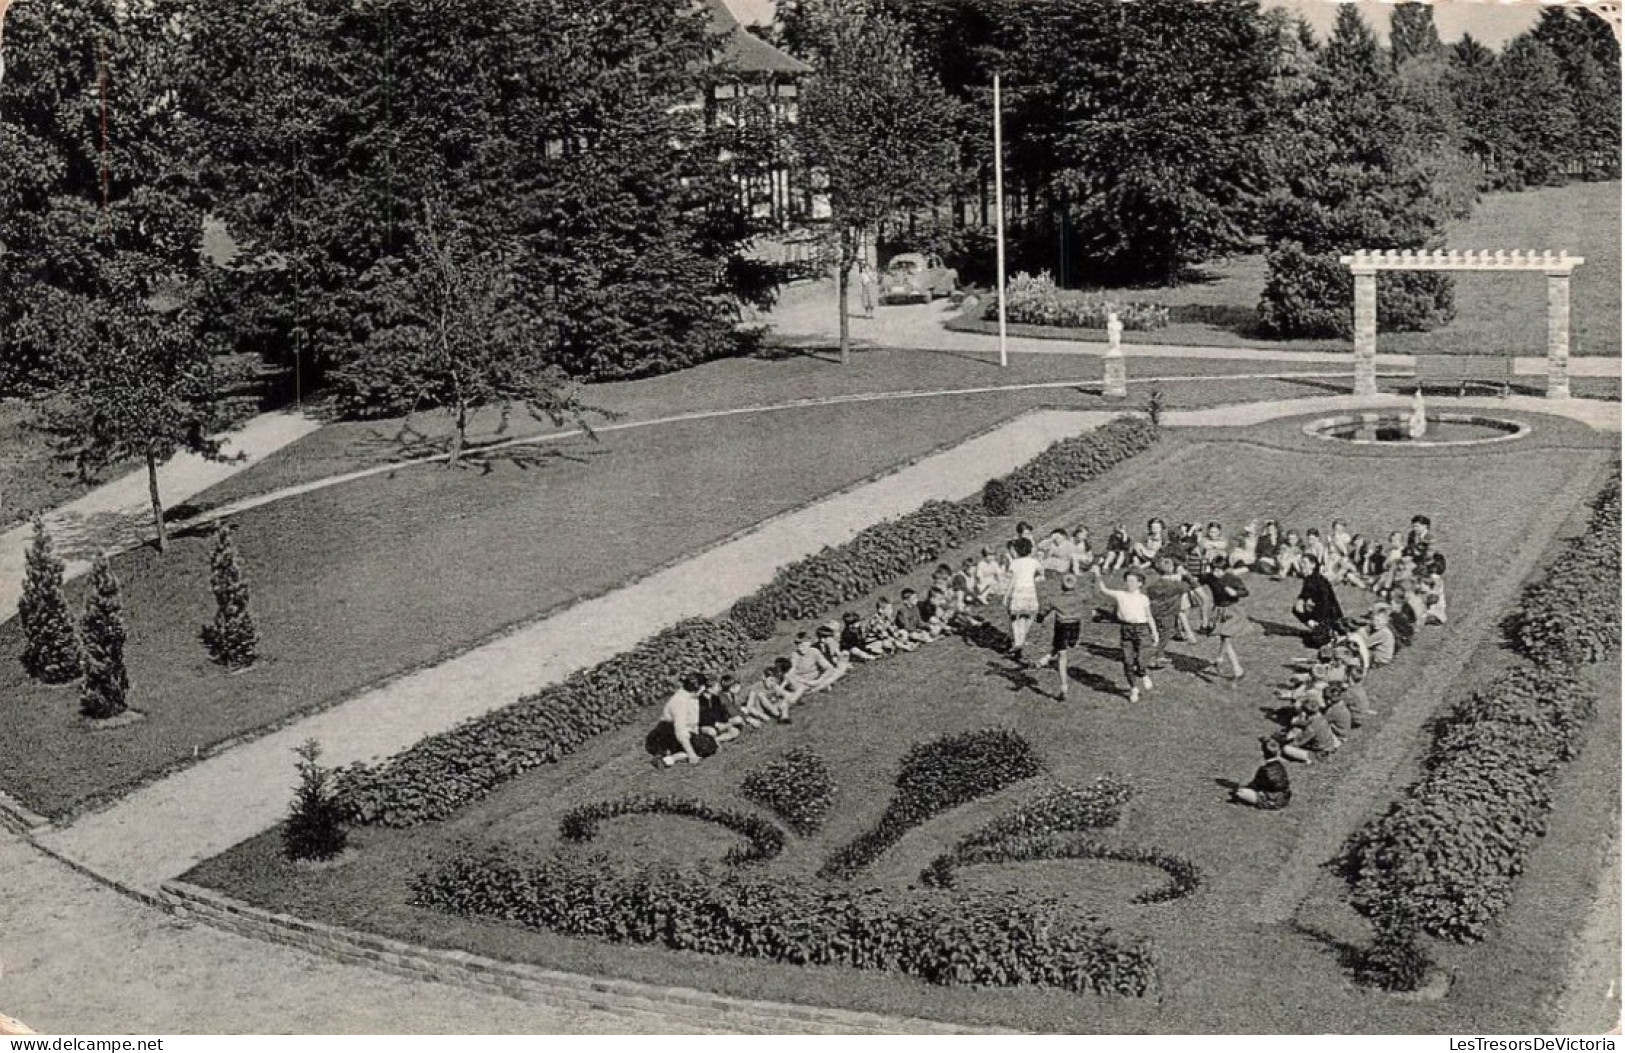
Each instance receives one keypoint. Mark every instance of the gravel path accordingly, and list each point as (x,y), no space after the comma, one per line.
(118,515)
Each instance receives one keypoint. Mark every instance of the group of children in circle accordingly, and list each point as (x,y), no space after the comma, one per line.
(1326,699)
(1170,578)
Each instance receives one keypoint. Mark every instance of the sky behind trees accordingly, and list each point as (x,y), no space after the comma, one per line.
(1492,22)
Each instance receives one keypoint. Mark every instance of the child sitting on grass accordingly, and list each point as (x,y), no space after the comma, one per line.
(1311,736)
(1266,551)
(765,701)
(882,628)
(1147,549)
(989,577)
(1119,546)
(1270,788)
(1289,557)
(828,643)
(1083,556)
(911,620)
(1055,552)
(719,716)
(1378,638)
(810,672)
(855,641)
(677,736)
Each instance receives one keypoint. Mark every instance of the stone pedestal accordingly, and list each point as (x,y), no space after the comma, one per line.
(1116,376)
(1557,336)
(1365,332)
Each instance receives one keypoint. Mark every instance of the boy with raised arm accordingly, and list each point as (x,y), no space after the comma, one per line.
(1137,627)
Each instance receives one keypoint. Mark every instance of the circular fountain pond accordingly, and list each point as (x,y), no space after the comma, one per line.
(1393,427)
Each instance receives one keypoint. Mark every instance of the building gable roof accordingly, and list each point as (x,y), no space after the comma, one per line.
(745,50)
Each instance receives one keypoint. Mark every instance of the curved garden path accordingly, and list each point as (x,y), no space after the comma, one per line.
(132,969)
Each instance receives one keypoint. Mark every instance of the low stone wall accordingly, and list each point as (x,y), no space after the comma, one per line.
(18,819)
(530,983)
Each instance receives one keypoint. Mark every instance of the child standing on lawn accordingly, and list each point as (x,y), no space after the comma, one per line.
(1068,605)
(1022,599)
(1138,630)
(1167,591)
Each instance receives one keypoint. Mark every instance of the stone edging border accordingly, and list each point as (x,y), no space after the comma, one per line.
(1321,429)
(530,983)
(14,816)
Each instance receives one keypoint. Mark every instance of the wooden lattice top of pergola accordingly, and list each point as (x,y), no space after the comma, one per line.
(1369,261)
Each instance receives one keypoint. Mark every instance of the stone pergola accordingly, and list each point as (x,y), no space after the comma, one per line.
(1558,268)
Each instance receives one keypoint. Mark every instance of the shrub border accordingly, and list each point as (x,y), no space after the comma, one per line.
(526,983)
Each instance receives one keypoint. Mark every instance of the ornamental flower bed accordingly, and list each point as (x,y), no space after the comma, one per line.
(798,787)
(935,777)
(1000,940)
(1037,300)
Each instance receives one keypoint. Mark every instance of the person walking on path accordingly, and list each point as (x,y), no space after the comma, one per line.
(1137,628)
(866,287)
(1022,599)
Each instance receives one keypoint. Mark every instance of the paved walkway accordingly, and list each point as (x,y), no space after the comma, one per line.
(810,315)
(118,515)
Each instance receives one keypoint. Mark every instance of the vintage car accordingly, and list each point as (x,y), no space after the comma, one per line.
(913,276)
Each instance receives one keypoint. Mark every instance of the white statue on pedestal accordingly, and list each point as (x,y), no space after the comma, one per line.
(1419,416)
(1116,372)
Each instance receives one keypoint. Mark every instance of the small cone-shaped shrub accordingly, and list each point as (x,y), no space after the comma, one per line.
(315,828)
(105,690)
(233,640)
(51,650)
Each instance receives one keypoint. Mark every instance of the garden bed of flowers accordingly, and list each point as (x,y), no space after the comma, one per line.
(1037,300)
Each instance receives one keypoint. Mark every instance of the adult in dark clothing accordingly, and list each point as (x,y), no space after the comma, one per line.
(1317,606)
(1270,788)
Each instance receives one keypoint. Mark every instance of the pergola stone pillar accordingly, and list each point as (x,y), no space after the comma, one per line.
(1365,331)
(1557,334)
(1364,265)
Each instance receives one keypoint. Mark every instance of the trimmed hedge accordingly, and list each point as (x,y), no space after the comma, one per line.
(1047,827)
(445,772)
(1071,462)
(992,940)
(797,787)
(877,556)
(1445,855)
(764,840)
(1571,617)
(1443,859)
(937,776)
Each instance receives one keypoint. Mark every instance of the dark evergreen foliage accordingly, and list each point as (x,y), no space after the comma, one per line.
(51,649)
(315,829)
(104,692)
(233,640)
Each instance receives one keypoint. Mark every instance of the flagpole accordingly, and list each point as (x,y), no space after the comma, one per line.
(998,212)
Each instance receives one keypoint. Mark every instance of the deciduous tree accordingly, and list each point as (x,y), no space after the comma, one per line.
(874,126)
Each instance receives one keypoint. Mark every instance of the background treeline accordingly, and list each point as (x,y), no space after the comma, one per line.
(381,178)
(1145,139)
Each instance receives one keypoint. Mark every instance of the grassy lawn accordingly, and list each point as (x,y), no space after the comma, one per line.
(785,377)
(363,581)
(1219,972)
(1495,313)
